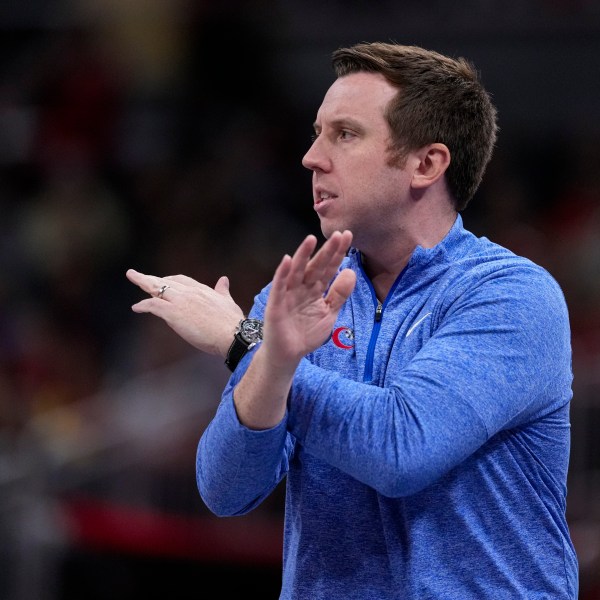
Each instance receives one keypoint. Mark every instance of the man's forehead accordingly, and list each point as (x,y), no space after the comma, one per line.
(357,93)
(367,90)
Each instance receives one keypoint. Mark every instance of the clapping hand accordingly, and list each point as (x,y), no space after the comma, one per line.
(205,317)
(304,302)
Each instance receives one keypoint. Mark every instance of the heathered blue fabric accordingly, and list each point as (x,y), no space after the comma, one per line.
(428,460)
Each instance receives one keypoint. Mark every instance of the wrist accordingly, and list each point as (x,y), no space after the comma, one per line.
(228,329)
(247,334)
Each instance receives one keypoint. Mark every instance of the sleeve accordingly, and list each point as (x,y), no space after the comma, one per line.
(498,358)
(236,467)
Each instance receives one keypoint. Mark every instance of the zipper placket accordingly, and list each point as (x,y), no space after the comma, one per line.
(368,375)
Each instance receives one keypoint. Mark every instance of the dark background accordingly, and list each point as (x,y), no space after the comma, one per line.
(166,135)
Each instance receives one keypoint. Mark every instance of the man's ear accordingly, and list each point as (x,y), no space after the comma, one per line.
(434,159)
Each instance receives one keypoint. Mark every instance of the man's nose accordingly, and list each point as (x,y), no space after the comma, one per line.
(315,157)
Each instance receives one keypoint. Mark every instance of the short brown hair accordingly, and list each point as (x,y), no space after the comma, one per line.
(440,99)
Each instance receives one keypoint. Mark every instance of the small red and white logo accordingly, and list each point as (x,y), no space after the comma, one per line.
(343,337)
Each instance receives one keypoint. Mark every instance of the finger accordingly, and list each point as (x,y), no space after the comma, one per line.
(161,292)
(326,262)
(332,252)
(155,306)
(136,277)
(279,284)
(340,289)
(151,284)
(222,286)
(300,259)
(312,269)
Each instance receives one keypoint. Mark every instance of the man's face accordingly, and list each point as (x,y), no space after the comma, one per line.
(354,187)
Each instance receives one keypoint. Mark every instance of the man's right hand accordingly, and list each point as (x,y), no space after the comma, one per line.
(301,310)
(304,302)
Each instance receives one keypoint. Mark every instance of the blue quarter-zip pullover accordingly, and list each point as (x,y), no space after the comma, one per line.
(426,443)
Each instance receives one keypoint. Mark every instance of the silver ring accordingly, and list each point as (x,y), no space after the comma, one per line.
(162,290)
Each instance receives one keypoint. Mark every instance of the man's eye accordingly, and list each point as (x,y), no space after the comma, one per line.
(344,135)
(313,137)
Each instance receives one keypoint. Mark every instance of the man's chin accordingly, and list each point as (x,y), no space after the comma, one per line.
(328,228)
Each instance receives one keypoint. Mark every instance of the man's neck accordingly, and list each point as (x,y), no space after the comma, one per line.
(383,265)
(383,274)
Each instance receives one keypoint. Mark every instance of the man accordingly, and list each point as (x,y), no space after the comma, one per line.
(413,381)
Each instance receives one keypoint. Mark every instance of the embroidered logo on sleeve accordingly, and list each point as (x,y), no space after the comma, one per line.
(415,325)
(343,337)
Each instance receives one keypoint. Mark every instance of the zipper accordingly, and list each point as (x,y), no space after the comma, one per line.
(377,318)
(368,375)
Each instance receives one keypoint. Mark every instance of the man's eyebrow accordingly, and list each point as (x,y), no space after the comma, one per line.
(340,123)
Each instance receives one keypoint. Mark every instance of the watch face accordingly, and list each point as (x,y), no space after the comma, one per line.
(251,330)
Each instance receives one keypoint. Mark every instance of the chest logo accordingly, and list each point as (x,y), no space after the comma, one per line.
(415,325)
(343,337)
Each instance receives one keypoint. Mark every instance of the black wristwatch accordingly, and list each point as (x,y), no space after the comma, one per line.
(248,333)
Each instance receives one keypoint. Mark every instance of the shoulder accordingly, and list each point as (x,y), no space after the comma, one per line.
(488,264)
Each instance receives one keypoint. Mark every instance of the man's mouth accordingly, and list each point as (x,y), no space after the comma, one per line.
(322,196)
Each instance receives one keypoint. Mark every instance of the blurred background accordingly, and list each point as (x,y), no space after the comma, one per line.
(166,135)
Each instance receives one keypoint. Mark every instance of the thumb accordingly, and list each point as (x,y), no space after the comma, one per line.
(340,289)
(222,285)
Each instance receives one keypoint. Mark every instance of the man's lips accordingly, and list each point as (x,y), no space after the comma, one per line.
(322,198)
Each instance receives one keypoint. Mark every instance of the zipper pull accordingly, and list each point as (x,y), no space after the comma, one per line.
(378,312)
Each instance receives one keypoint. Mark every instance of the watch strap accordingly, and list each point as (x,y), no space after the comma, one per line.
(236,351)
